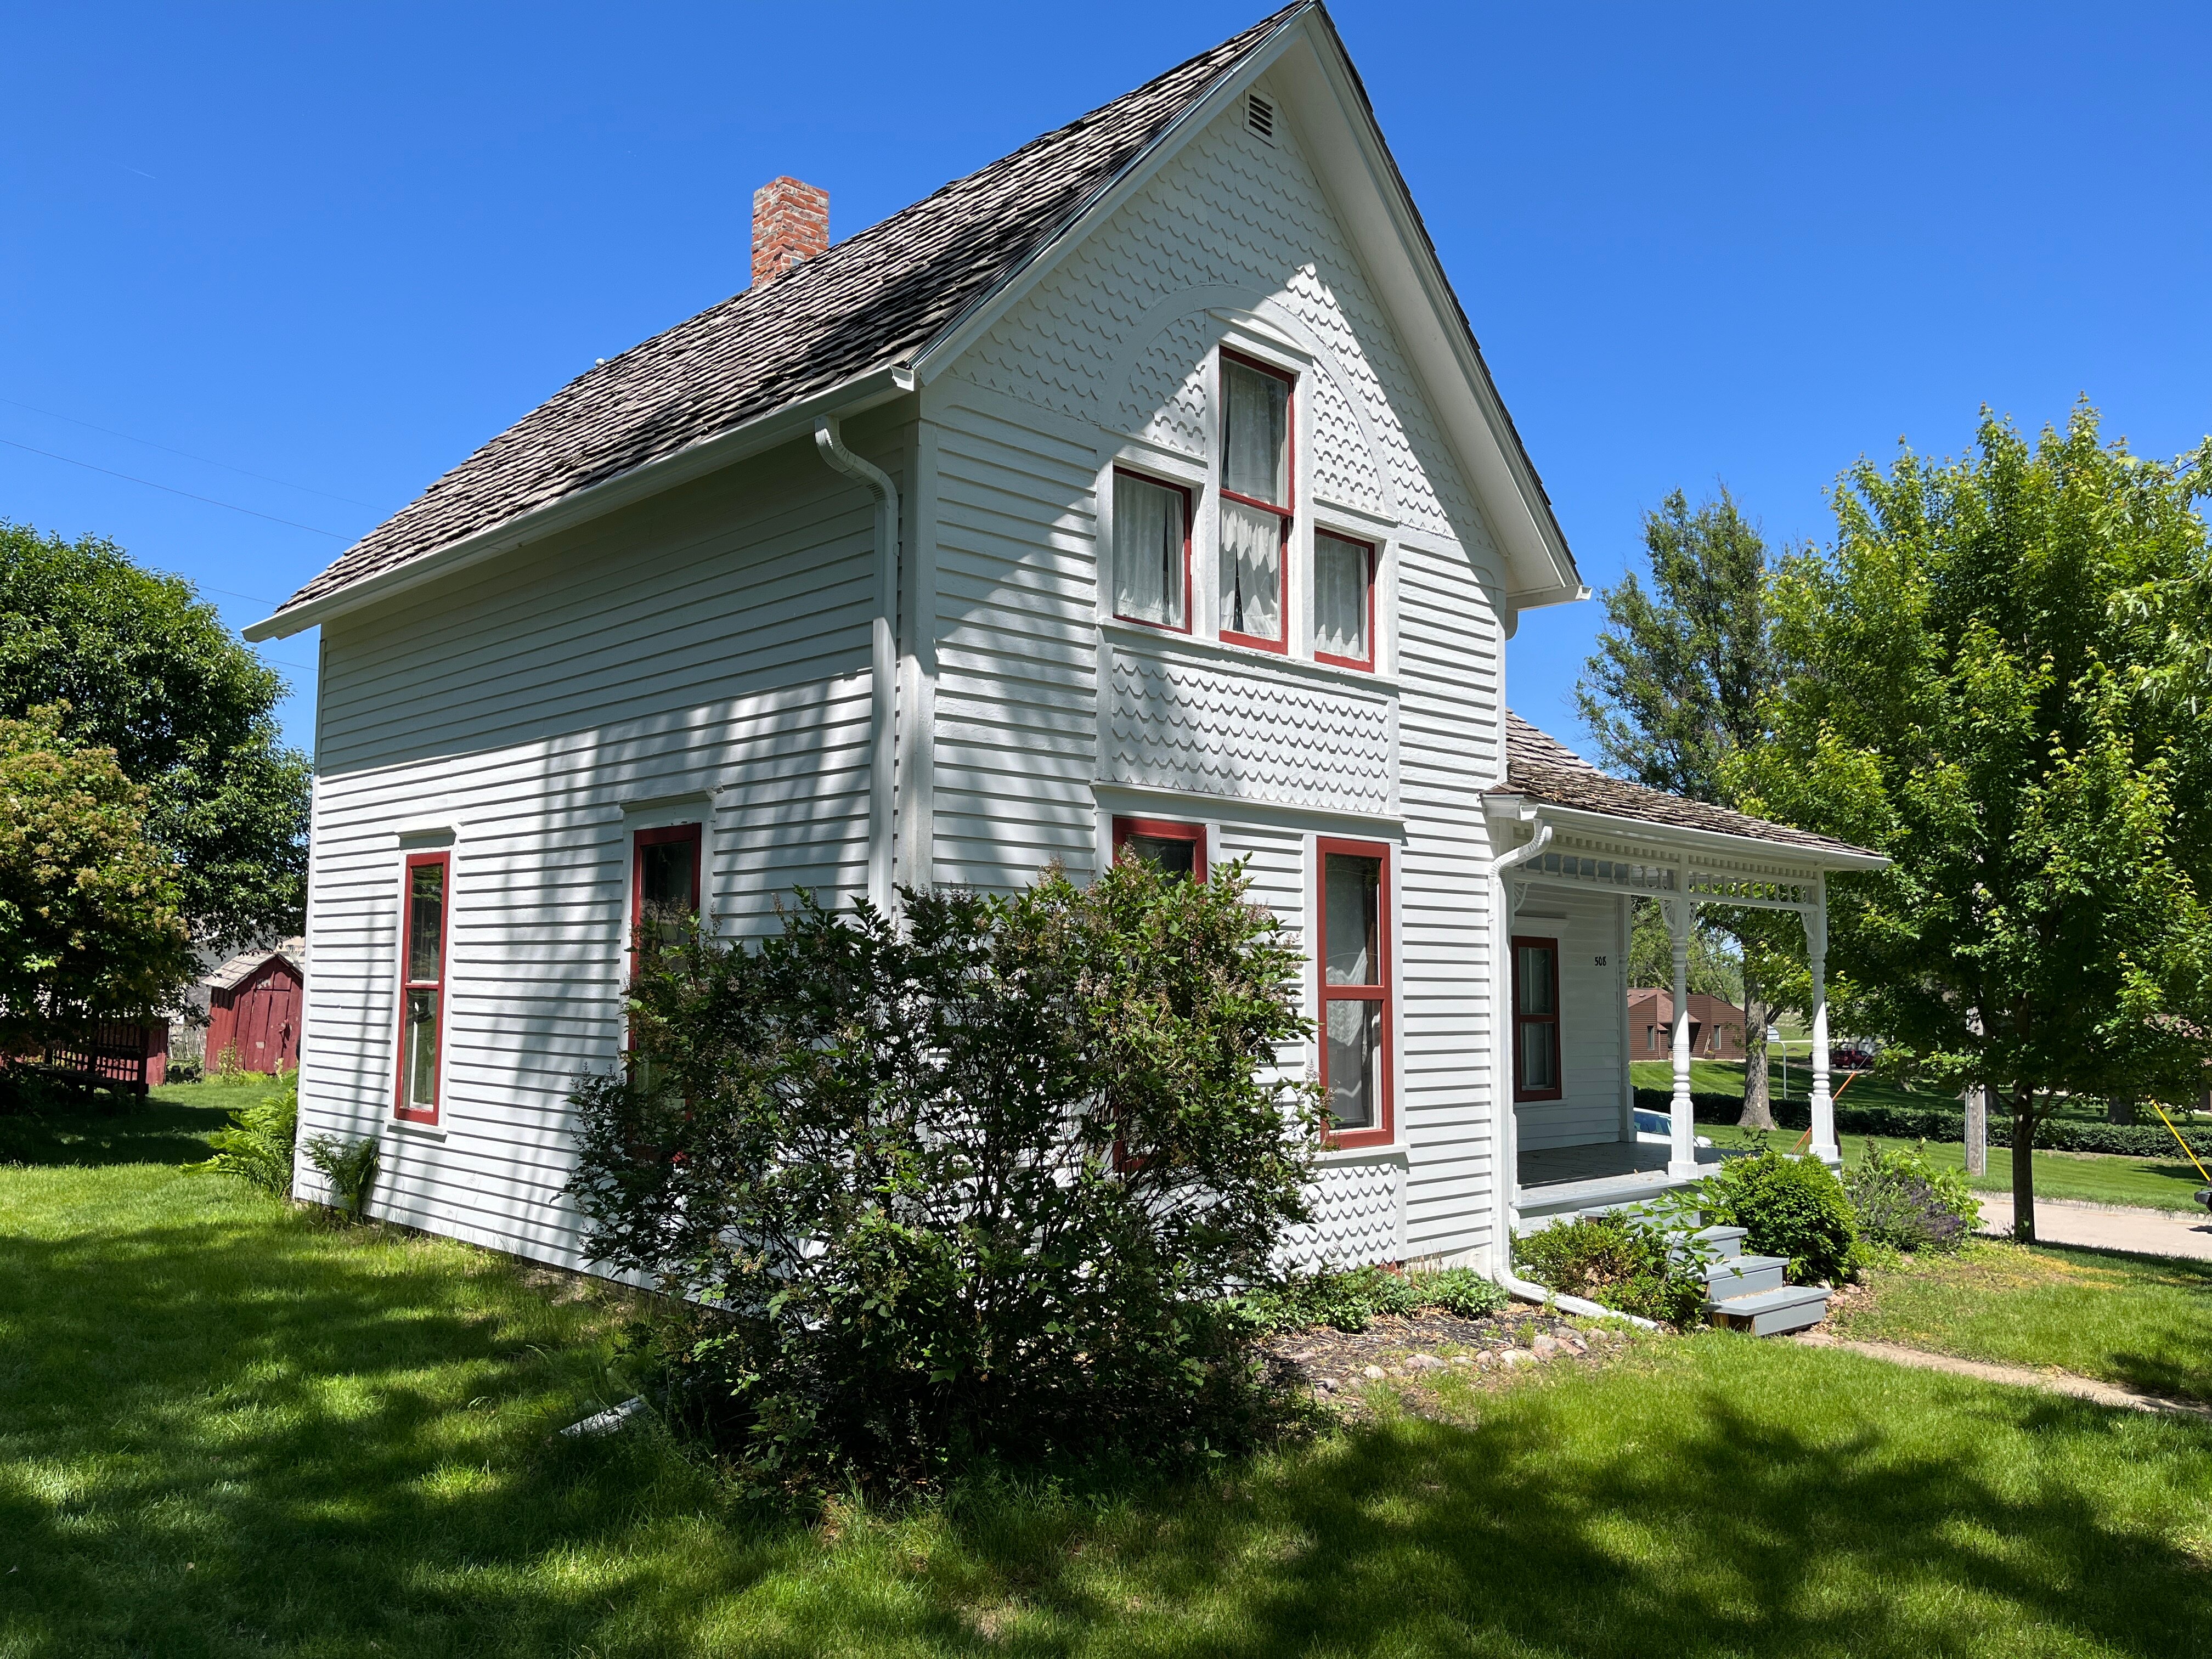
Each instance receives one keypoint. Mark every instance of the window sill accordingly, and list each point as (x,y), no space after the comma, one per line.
(417,1131)
(1247,656)
(1388,1151)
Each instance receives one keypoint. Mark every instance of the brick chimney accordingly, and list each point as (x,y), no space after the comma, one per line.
(791,224)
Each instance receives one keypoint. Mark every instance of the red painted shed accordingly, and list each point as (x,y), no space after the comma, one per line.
(253,1007)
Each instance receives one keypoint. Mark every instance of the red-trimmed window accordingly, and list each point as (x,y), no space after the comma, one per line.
(1175,849)
(664,888)
(1151,551)
(424,891)
(1256,508)
(1353,913)
(1536,1018)
(1344,600)
(664,878)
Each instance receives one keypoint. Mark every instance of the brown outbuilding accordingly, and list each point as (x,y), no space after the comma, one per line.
(1716,1026)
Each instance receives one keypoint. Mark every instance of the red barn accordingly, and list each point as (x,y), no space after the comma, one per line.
(253,1007)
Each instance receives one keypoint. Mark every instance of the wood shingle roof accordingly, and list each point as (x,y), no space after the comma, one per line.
(871,302)
(1542,768)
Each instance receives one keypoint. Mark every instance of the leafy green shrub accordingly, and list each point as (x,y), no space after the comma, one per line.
(349,1165)
(983,1183)
(184,1068)
(31,1089)
(1461,1292)
(256,1146)
(1787,1207)
(1622,1261)
(1351,1299)
(1908,1204)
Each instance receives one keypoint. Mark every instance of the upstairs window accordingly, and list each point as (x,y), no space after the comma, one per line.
(1355,990)
(1256,502)
(422,985)
(1152,552)
(1344,601)
(1174,849)
(1536,1020)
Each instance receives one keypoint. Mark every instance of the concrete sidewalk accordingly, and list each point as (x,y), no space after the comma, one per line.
(2107,1226)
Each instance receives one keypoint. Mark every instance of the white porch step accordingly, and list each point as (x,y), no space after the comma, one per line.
(1743,1275)
(1721,1243)
(1773,1313)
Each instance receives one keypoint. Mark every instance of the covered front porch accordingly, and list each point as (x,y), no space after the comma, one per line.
(1576,849)
(1600,1176)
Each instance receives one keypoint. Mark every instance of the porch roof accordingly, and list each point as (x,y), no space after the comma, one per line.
(1539,769)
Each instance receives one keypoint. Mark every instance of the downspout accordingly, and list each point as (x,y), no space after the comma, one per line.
(1509,1174)
(883,670)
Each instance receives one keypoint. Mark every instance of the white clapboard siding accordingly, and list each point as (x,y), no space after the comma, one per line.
(1590,1001)
(1108,347)
(1017,607)
(702,654)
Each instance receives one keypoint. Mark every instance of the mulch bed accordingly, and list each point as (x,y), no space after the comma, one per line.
(1336,1366)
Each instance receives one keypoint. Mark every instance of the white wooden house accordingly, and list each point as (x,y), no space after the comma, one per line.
(1147,484)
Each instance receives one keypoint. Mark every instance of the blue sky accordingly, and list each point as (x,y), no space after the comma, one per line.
(339,247)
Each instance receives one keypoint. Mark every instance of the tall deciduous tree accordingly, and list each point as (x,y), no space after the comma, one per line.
(149,671)
(1998,678)
(1675,688)
(89,919)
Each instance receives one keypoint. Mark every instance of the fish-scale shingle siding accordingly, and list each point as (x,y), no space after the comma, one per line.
(1109,347)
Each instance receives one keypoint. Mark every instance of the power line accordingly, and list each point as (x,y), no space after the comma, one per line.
(132,478)
(232,592)
(206,459)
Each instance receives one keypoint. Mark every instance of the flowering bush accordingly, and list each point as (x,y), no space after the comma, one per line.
(1907,1203)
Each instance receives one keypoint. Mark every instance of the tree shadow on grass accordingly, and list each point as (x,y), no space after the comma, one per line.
(106,1129)
(1737,1534)
(2181,1365)
(237,1433)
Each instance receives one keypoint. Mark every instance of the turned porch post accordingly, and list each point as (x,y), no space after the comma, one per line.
(1824,1105)
(1682,1129)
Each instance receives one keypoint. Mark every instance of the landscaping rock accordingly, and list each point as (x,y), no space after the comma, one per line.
(1545,1346)
(1513,1357)
(1373,1373)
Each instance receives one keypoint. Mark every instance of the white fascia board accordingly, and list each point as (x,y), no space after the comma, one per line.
(1365,188)
(695,460)
(1683,838)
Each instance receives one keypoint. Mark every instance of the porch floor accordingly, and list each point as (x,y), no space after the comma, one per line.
(1561,1179)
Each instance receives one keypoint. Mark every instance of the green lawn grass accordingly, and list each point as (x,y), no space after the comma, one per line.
(2095,1178)
(2142,1321)
(229,1428)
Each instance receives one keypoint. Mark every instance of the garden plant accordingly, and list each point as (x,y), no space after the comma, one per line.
(986,1182)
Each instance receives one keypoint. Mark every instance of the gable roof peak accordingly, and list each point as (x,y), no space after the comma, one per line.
(852,320)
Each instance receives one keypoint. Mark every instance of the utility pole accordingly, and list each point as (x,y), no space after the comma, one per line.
(1978,1111)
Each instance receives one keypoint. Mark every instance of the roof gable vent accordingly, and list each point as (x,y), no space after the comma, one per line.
(1259,117)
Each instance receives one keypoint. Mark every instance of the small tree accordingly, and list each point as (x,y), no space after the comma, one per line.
(1675,690)
(88,905)
(144,667)
(1998,678)
(974,1182)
